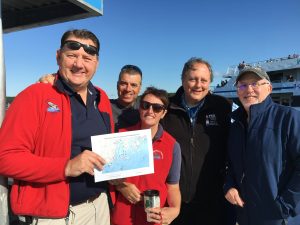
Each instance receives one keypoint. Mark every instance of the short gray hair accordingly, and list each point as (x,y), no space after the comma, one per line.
(189,65)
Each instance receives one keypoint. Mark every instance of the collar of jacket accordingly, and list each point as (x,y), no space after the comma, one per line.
(158,134)
(255,110)
(64,87)
(135,106)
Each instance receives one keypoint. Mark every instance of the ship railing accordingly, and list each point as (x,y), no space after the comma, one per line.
(271,64)
(295,56)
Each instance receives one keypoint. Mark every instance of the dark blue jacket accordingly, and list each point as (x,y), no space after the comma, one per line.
(264,163)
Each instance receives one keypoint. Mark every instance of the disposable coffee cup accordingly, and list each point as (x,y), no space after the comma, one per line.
(151,200)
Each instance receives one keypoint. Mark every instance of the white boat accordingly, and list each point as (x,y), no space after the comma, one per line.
(284,74)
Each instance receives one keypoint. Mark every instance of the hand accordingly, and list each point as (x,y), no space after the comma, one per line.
(47,79)
(85,162)
(233,197)
(154,215)
(130,192)
(116,181)
(168,214)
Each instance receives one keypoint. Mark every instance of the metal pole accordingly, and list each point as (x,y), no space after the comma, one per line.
(3,180)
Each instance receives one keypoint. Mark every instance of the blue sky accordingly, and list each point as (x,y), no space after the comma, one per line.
(160,36)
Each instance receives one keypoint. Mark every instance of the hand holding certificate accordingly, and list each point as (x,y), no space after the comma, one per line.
(127,154)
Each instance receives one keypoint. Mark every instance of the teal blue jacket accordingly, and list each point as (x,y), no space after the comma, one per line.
(264,163)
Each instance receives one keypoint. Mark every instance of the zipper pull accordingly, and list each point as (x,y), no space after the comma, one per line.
(67,218)
(242,178)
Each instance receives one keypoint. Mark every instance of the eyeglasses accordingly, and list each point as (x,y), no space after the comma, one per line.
(157,108)
(254,85)
(75,45)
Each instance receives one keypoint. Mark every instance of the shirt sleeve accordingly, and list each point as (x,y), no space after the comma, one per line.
(174,173)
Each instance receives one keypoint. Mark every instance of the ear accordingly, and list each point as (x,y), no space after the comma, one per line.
(58,56)
(270,88)
(163,115)
(98,62)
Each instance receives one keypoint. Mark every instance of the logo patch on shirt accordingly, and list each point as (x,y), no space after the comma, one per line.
(52,107)
(211,120)
(158,155)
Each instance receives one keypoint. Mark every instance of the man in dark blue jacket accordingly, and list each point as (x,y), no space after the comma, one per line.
(264,155)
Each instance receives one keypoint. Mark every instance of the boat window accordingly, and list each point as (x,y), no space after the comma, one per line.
(276,77)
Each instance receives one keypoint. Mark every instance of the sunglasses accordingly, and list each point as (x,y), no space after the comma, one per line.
(157,108)
(75,45)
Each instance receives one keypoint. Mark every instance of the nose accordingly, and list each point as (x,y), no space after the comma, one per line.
(150,109)
(78,62)
(198,83)
(128,87)
(249,86)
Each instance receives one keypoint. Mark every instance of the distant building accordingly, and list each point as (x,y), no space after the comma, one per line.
(7,105)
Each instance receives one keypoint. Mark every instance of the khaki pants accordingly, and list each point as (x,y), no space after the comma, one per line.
(95,212)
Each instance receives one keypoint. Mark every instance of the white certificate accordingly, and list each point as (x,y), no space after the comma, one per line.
(127,154)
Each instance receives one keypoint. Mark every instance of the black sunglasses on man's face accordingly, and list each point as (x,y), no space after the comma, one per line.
(75,45)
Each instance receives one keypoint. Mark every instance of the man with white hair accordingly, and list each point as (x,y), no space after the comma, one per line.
(264,155)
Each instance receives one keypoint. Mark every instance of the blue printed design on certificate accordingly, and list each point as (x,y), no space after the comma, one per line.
(126,154)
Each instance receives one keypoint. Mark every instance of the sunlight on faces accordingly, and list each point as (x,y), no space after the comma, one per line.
(251,95)
(76,66)
(196,83)
(149,118)
(128,87)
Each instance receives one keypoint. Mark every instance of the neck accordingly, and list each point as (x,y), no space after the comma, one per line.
(154,129)
(189,103)
(125,104)
(83,94)
(247,113)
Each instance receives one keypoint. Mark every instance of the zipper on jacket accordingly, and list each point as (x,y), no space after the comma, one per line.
(192,141)
(191,160)
(19,192)
(242,178)
(70,153)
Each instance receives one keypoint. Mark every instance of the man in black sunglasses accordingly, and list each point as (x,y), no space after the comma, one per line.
(200,122)
(45,141)
(125,107)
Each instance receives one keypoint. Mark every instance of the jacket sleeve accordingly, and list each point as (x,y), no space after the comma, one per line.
(229,173)
(229,181)
(19,134)
(289,198)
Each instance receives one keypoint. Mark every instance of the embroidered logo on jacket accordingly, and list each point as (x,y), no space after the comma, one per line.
(211,120)
(52,107)
(158,155)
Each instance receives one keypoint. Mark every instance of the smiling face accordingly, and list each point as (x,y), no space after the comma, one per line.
(252,94)
(196,83)
(129,86)
(77,67)
(149,118)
